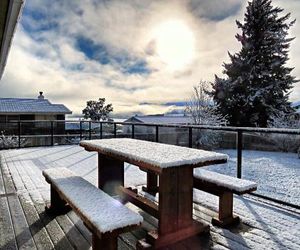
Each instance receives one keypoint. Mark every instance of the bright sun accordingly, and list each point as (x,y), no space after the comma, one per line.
(175,44)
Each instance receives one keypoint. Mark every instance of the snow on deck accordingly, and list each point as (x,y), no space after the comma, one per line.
(270,226)
(157,154)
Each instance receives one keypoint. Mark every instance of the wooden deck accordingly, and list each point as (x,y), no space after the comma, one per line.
(24,224)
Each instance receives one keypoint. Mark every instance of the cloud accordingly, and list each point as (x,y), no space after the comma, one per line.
(293,7)
(216,9)
(75,51)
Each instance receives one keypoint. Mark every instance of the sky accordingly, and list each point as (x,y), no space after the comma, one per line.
(143,56)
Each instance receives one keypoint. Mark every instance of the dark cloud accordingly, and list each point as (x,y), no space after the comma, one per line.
(215,10)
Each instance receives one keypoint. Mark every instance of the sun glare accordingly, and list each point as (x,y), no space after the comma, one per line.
(175,44)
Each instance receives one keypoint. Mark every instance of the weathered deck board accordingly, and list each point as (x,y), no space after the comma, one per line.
(55,232)
(23,235)
(72,233)
(21,228)
(80,226)
(7,235)
(2,190)
(36,226)
(53,229)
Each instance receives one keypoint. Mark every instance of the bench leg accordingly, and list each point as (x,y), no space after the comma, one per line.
(57,205)
(226,217)
(106,242)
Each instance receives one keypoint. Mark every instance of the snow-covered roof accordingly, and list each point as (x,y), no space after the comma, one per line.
(99,208)
(162,119)
(296,105)
(157,154)
(31,106)
(239,185)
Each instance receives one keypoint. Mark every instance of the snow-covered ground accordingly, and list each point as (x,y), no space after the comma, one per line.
(277,174)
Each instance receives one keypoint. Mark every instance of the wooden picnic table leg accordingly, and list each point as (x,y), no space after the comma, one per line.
(175,208)
(105,242)
(110,174)
(152,183)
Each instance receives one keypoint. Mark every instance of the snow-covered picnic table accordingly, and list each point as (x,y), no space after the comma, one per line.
(173,164)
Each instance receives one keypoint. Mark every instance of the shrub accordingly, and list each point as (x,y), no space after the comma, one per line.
(284,142)
(11,141)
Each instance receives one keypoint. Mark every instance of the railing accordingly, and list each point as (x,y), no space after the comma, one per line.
(50,133)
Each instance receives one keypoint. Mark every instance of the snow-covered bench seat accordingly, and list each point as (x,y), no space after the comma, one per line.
(104,216)
(223,186)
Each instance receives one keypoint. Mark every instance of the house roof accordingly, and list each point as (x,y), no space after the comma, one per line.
(296,104)
(10,11)
(161,119)
(31,106)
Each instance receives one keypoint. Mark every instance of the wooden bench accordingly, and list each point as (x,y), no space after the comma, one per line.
(104,216)
(223,186)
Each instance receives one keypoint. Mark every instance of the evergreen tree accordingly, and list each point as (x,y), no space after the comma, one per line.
(258,81)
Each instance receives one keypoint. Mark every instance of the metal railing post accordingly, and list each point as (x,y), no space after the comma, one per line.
(90,130)
(52,134)
(115,130)
(239,145)
(132,131)
(80,130)
(156,133)
(101,131)
(19,134)
(190,137)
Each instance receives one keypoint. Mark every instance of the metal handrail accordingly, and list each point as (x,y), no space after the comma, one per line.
(238,130)
(220,128)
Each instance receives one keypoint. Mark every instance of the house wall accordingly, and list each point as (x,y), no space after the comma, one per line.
(29,117)
(9,125)
(13,118)
(45,117)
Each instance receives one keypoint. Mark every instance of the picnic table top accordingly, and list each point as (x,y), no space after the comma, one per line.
(155,154)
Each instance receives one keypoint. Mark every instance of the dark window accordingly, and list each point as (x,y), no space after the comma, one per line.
(13,118)
(60,117)
(2,118)
(26,117)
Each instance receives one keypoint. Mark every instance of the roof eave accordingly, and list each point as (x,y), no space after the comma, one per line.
(36,113)
(13,13)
